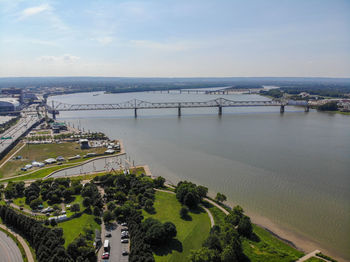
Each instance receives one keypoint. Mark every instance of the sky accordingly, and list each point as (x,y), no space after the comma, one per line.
(182,38)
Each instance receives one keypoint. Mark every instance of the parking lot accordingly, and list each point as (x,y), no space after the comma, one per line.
(116,247)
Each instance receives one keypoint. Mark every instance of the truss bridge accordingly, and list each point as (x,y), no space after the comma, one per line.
(136,104)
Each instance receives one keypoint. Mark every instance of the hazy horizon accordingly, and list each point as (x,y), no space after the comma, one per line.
(175,38)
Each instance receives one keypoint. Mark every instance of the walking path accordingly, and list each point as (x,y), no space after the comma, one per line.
(217,205)
(310,255)
(22,241)
(212,222)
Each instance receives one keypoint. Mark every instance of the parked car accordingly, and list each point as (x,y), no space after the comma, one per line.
(124,241)
(125,253)
(105,255)
(124,224)
(124,236)
(108,235)
(124,229)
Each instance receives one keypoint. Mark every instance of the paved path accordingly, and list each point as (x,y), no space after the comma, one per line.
(217,205)
(23,243)
(212,222)
(307,256)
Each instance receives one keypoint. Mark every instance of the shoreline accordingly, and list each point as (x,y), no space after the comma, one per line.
(290,237)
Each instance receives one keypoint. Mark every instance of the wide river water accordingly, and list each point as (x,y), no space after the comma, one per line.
(290,172)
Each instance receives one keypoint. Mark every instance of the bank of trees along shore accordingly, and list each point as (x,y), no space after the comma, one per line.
(124,197)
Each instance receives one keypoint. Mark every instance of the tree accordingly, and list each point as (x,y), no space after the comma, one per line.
(202,191)
(245,227)
(220,197)
(97,211)
(159,182)
(87,201)
(183,212)
(228,254)
(75,208)
(67,194)
(204,254)
(34,204)
(149,205)
(213,242)
(170,230)
(111,206)
(53,222)
(108,216)
(191,200)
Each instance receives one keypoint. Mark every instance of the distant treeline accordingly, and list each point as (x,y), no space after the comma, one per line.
(328,86)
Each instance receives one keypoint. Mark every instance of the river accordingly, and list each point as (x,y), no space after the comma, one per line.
(290,172)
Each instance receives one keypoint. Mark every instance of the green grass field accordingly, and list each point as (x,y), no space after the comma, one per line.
(75,227)
(41,173)
(190,234)
(269,248)
(41,152)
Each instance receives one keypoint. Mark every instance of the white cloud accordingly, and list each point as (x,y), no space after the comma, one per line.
(64,59)
(34,10)
(104,40)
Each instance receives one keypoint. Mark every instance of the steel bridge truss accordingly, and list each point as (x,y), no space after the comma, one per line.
(140,104)
(136,104)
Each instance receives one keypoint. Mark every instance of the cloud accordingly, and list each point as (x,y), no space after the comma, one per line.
(104,40)
(64,59)
(34,11)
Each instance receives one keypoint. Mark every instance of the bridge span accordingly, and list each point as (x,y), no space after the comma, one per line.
(136,104)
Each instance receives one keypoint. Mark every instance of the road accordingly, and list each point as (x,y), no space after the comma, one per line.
(8,249)
(27,120)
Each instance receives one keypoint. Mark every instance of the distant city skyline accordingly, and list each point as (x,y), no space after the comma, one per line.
(175,38)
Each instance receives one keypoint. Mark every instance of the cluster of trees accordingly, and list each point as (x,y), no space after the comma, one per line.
(39,138)
(47,243)
(139,190)
(94,136)
(190,194)
(276,93)
(330,106)
(157,233)
(81,249)
(14,190)
(126,195)
(224,243)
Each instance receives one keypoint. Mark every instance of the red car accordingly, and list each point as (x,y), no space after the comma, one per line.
(105,255)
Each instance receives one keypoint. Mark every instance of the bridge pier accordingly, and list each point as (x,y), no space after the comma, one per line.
(180,91)
(282,109)
(307,109)
(53,114)
(179,111)
(220,110)
(135,112)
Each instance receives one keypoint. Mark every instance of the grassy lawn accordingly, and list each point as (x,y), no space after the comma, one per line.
(78,199)
(218,215)
(73,228)
(37,174)
(41,152)
(269,248)
(190,233)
